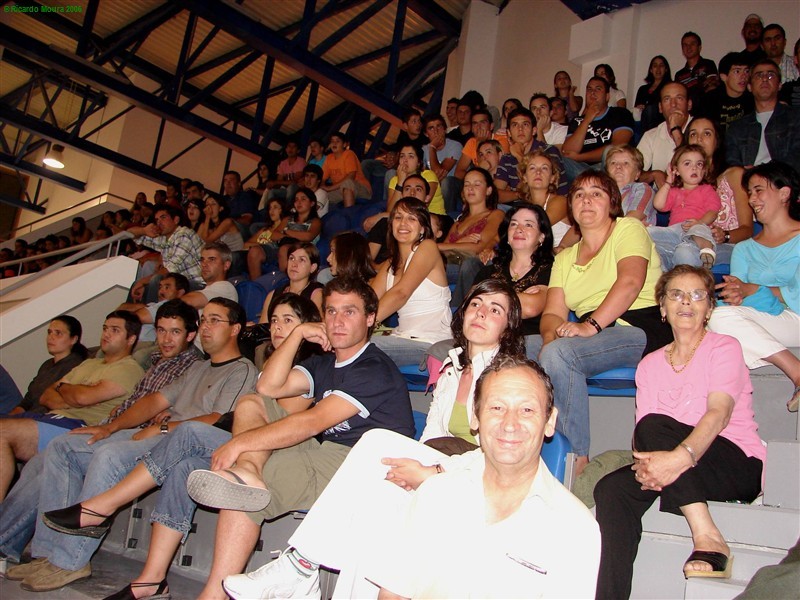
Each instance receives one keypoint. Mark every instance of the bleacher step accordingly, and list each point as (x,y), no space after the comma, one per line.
(658,570)
(713,589)
(749,524)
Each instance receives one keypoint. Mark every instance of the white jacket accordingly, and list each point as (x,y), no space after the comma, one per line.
(444,395)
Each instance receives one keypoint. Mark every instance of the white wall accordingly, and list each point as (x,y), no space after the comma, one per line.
(536,39)
(532,44)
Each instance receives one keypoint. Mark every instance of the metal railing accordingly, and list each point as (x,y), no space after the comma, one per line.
(29,227)
(83,250)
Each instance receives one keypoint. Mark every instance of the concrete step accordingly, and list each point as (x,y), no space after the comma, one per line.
(658,570)
(713,589)
(749,524)
(782,475)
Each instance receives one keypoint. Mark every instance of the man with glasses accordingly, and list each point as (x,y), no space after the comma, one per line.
(772,132)
(205,391)
(279,464)
(215,260)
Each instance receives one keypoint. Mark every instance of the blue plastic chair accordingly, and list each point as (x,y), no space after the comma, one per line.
(420,418)
(416,378)
(554,454)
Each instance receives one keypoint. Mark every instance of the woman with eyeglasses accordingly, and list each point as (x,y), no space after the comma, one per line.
(696,439)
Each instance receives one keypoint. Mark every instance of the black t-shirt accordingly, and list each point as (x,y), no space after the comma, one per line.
(457,136)
(651,116)
(372,383)
(723,109)
(601,129)
(751,56)
(538,275)
(404,140)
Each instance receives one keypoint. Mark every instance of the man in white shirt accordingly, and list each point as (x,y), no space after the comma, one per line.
(658,144)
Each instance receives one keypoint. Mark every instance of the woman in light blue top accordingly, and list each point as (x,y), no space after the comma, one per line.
(762,292)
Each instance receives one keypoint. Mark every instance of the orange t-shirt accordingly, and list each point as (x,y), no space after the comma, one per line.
(336,169)
(471,147)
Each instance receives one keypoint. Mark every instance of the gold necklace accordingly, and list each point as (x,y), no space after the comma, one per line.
(691,354)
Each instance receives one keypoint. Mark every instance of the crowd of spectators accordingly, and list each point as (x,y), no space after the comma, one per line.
(525,249)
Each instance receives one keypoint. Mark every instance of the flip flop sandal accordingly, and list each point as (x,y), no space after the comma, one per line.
(794,401)
(721,565)
(210,488)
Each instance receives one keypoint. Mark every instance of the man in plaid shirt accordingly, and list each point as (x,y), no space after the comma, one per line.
(179,247)
(177,327)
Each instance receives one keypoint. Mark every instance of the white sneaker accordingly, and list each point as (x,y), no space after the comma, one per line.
(276,579)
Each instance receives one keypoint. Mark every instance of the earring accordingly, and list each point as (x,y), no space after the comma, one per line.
(663,318)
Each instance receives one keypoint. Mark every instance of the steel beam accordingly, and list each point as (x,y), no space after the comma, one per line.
(27,123)
(17,203)
(39,171)
(112,84)
(442,21)
(261,38)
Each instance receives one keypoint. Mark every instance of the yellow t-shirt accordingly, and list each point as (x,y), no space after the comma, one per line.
(125,372)
(437,202)
(586,286)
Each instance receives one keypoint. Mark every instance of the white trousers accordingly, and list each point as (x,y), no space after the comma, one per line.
(760,334)
(359,511)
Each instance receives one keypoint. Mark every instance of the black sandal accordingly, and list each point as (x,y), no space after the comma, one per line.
(68,520)
(126,593)
(721,565)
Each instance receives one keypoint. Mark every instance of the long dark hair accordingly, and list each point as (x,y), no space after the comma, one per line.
(717,158)
(543,255)
(779,174)
(307,312)
(308,193)
(224,213)
(351,251)
(491,198)
(512,342)
(419,211)
(667,72)
(74,328)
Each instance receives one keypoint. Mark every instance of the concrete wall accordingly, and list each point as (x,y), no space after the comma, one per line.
(536,39)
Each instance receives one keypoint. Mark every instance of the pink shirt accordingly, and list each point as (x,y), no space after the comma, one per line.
(717,366)
(286,170)
(691,204)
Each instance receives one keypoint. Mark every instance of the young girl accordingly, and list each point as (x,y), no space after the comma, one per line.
(692,202)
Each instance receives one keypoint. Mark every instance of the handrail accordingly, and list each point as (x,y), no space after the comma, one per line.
(88,249)
(13,233)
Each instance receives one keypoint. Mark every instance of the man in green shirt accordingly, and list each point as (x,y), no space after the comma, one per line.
(84,396)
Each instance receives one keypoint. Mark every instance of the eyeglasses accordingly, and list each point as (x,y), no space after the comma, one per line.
(680,295)
(212,321)
(769,75)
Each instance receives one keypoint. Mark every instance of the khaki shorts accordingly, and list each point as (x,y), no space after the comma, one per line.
(296,476)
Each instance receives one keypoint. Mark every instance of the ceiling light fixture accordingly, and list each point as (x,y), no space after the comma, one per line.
(55,157)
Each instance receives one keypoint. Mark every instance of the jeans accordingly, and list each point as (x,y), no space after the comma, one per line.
(451,193)
(170,462)
(74,471)
(676,246)
(569,361)
(18,510)
(402,351)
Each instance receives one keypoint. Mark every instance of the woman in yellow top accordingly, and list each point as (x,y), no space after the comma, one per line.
(608,280)
(409,163)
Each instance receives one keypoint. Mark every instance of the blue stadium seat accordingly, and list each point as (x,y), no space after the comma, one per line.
(251,297)
(614,382)
(416,378)
(554,455)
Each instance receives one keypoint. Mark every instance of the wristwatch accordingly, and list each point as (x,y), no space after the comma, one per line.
(727,237)
(164,428)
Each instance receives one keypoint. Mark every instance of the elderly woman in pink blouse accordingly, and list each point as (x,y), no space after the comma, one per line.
(695,438)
